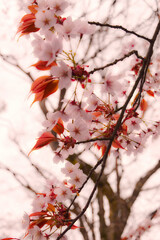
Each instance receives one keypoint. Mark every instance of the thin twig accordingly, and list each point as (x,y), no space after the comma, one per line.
(117,60)
(121,28)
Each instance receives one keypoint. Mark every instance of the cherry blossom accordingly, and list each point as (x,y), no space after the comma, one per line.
(45,20)
(111,85)
(36,233)
(77,178)
(133,124)
(70,168)
(78,130)
(64,73)
(84,27)
(25,221)
(67,30)
(63,193)
(58,5)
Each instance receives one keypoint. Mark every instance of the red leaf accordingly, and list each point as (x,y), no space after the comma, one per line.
(124,129)
(50,207)
(33,9)
(43,87)
(37,214)
(9,238)
(116,144)
(150,93)
(40,84)
(59,127)
(74,227)
(42,65)
(43,140)
(27,24)
(143,105)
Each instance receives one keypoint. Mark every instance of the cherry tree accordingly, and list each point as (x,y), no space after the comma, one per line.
(101,117)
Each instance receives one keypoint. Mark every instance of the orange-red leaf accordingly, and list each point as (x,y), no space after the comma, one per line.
(51,207)
(33,9)
(59,127)
(40,84)
(10,238)
(116,116)
(43,87)
(27,24)
(143,105)
(150,93)
(116,144)
(124,129)
(42,65)
(43,140)
(96,114)
(37,214)
(74,227)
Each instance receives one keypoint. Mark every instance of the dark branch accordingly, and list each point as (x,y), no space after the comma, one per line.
(139,185)
(117,60)
(121,28)
(17,177)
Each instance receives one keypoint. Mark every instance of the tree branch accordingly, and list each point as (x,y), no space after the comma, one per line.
(139,185)
(121,28)
(117,60)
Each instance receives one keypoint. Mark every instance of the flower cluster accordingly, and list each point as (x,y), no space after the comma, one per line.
(88,117)
(49,210)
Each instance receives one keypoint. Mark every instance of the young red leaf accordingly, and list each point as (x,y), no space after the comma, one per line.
(27,25)
(116,144)
(59,127)
(143,106)
(10,238)
(43,140)
(42,65)
(74,227)
(38,214)
(33,9)
(50,207)
(150,93)
(40,84)
(43,87)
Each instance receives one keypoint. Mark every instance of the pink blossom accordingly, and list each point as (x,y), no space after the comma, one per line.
(67,30)
(70,168)
(58,157)
(84,28)
(64,73)
(51,121)
(78,130)
(39,203)
(93,102)
(111,85)
(133,124)
(77,178)
(36,233)
(63,193)
(45,19)
(58,5)
(25,221)
(50,49)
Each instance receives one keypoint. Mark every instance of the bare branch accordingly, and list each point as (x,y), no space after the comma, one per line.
(117,60)
(139,185)
(17,177)
(121,28)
